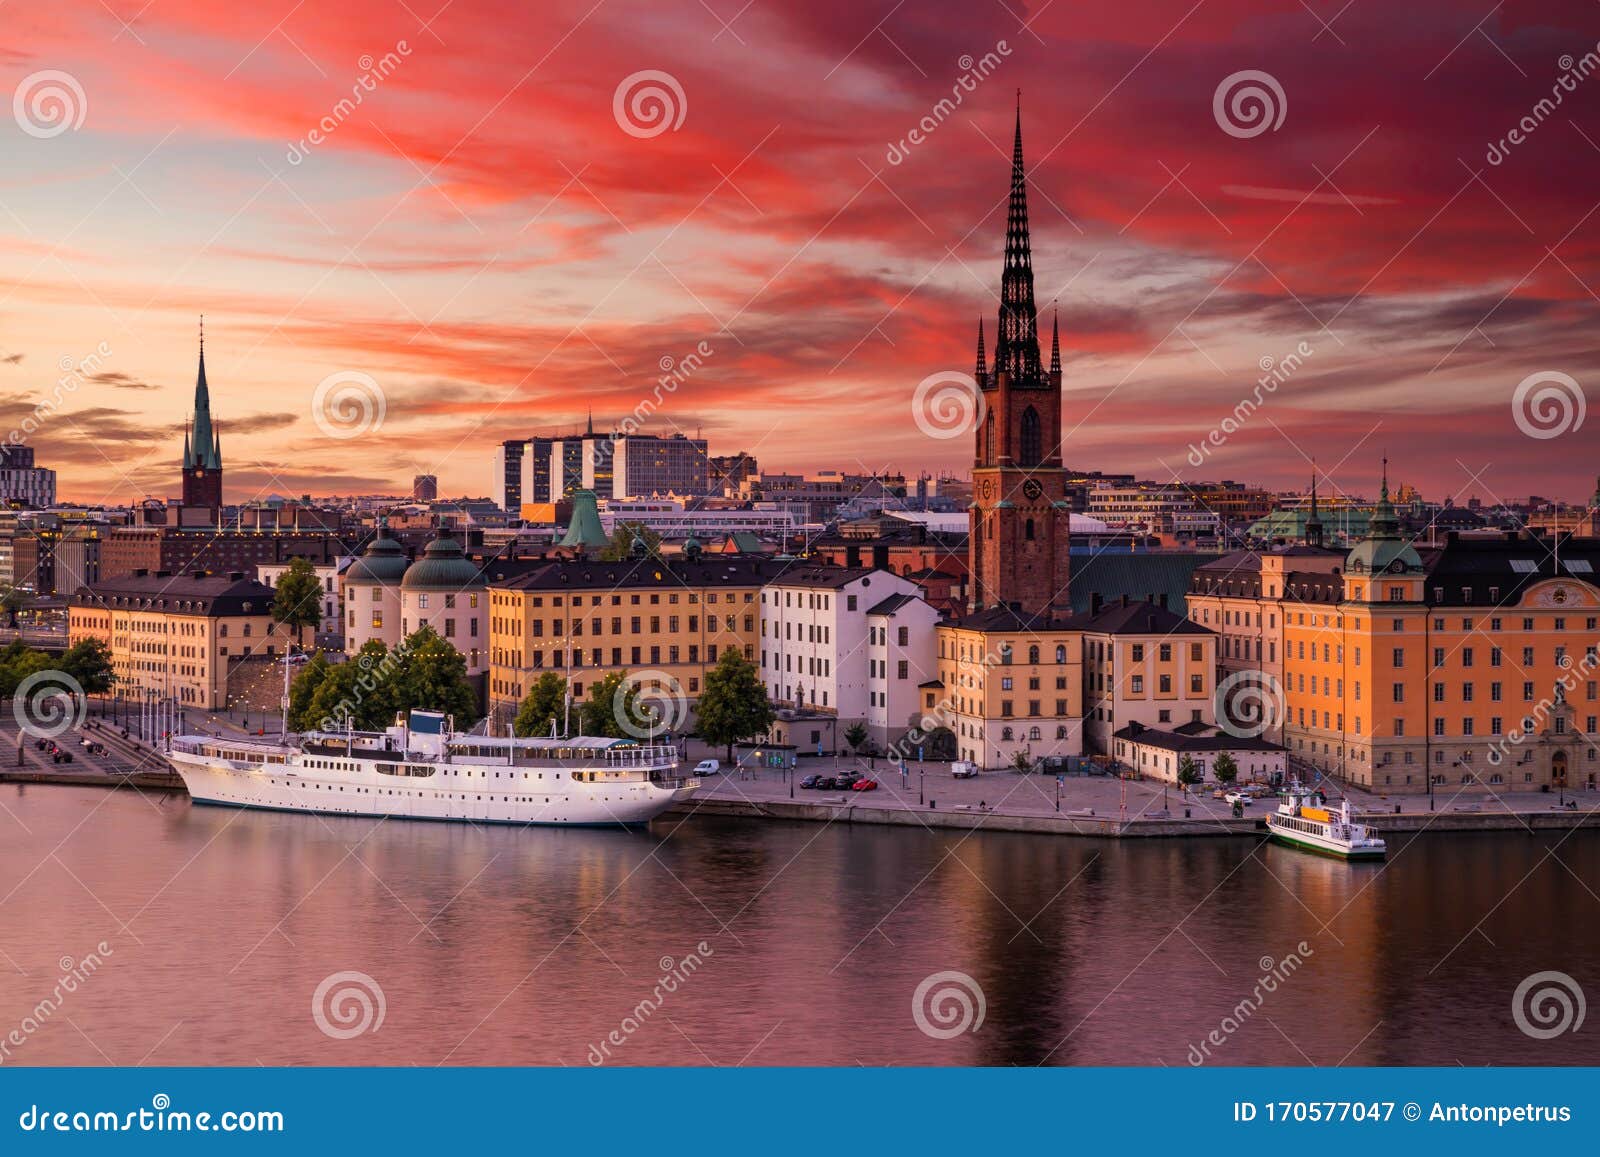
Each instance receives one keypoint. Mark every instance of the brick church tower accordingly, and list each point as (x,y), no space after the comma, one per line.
(202,446)
(1020,518)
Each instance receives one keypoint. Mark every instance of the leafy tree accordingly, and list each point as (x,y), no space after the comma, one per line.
(601,712)
(856,736)
(360,692)
(431,675)
(623,536)
(734,704)
(1225,769)
(1187,772)
(17,662)
(302,689)
(88,661)
(1022,761)
(298,601)
(544,705)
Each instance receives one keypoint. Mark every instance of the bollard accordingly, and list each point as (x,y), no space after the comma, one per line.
(933,803)
(1396,809)
(1185,813)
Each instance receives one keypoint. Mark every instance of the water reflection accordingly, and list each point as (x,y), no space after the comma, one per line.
(503,946)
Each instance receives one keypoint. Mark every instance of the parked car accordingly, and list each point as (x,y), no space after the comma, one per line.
(848,780)
(708,767)
(1239,798)
(864,785)
(827,783)
(962,769)
(811,781)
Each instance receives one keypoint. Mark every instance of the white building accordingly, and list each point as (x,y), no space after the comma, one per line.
(1159,754)
(1144,664)
(850,642)
(668,518)
(372,593)
(332,603)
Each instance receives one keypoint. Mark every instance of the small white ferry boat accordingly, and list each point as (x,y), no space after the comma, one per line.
(1303,820)
(422,769)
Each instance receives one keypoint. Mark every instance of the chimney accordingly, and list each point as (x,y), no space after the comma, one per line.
(1161,600)
(1095,602)
(1124,599)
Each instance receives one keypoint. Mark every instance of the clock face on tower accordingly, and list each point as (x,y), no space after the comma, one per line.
(987,489)
(1032,489)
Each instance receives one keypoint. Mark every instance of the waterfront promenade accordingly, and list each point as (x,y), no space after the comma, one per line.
(1100,805)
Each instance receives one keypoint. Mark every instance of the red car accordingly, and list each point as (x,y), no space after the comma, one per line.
(864,785)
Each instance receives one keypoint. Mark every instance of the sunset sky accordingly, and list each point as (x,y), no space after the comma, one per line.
(484,240)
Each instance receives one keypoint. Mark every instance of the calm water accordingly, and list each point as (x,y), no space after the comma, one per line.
(502,946)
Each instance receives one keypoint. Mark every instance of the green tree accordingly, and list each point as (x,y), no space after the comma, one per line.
(17,662)
(602,713)
(1224,768)
(298,601)
(305,685)
(88,661)
(431,675)
(734,704)
(1187,772)
(856,736)
(1022,761)
(360,692)
(544,705)
(623,536)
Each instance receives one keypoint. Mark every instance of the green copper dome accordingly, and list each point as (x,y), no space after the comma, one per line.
(585,531)
(1383,551)
(443,566)
(383,563)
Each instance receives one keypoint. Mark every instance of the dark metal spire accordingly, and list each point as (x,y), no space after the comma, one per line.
(1055,342)
(1314,522)
(983,368)
(1016,351)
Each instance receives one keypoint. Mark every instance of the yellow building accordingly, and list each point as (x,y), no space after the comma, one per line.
(1467,666)
(1009,684)
(667,622)
(179,636)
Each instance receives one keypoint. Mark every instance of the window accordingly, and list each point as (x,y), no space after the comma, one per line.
(1031,439)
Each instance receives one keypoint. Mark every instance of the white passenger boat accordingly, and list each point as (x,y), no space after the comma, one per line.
(1303,820)
(422,769)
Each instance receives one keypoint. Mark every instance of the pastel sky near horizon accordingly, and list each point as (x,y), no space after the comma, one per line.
(482,239)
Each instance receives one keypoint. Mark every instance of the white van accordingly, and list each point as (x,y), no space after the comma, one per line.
(961,769)
(708,767)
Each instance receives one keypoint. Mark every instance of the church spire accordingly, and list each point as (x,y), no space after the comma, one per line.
(1055,342)
(1314,522)
(983,369)
(1016,351)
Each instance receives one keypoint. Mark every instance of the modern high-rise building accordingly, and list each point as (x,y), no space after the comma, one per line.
(21,482)
(425,488)
(202,445)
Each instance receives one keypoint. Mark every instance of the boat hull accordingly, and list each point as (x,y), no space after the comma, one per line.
(1324,846)
(369,793)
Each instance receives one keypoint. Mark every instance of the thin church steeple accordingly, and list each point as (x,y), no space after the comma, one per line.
(1016,350)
